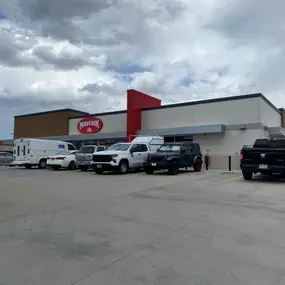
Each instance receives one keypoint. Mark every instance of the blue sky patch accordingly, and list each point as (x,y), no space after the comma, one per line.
(187,81)
(2,15)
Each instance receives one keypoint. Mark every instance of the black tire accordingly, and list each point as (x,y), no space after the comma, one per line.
(247,175)
(72,165)
(123,166)
(198,165)
(148,170)
(173,170)
(43,163)
(83,168)
(28,166)
(98,171)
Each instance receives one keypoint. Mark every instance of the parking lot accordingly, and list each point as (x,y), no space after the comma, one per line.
(70,227)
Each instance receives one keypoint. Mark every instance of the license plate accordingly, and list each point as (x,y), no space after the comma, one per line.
(153,164)
(99,166)
(263,166)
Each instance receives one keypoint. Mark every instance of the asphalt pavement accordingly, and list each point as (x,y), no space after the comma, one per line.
(72,227)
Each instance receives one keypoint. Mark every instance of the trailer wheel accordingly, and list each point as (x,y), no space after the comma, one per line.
(43,163)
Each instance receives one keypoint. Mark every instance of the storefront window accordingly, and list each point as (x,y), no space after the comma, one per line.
(169,139)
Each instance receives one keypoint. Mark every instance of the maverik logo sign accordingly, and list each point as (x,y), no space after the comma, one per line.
(89,125)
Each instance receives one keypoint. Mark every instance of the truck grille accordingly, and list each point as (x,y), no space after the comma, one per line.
(102,158)
(157,158)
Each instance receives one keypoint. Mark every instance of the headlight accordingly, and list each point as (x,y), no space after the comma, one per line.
(114,155)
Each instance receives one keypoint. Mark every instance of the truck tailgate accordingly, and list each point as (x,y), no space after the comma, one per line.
(83,157)
(262,156)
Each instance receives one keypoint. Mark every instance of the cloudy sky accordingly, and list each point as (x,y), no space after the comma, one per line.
(84,54)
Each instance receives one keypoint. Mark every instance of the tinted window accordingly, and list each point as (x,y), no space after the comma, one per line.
(142,148)
(269,143)
(71,147)
(18,150)
(24,150)
(196,148)
(280,143)
(135,148)
(100,148)
(87,149)
(184,149)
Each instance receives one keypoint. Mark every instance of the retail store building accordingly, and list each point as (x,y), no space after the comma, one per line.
(221,126)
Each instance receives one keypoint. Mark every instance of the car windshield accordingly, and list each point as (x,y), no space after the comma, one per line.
(120,146)
(169,147)
(86,149)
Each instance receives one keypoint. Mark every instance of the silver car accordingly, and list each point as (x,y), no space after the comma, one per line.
(6,158)
(84,155)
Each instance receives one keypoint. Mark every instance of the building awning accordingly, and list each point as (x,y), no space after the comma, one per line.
(84,137)
(277,132)
(189,130)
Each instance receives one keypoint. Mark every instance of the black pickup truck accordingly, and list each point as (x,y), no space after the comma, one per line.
(172,156)
(267,156)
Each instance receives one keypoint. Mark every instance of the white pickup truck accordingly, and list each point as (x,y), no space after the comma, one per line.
(123,156)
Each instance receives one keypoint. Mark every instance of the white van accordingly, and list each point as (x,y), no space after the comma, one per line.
(34,152)
(123,156)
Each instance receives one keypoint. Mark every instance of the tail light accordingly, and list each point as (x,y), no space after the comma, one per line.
(241,154)
(60,158)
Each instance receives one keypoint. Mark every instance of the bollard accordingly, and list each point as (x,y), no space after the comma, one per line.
(230,163)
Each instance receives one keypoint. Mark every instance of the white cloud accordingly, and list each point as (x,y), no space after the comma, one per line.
(87,53)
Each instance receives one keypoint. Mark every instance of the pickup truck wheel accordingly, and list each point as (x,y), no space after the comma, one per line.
(198,165)
(83,168)
(123,167)
(42,164)
(148,170)
(247,175)
(173,170)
